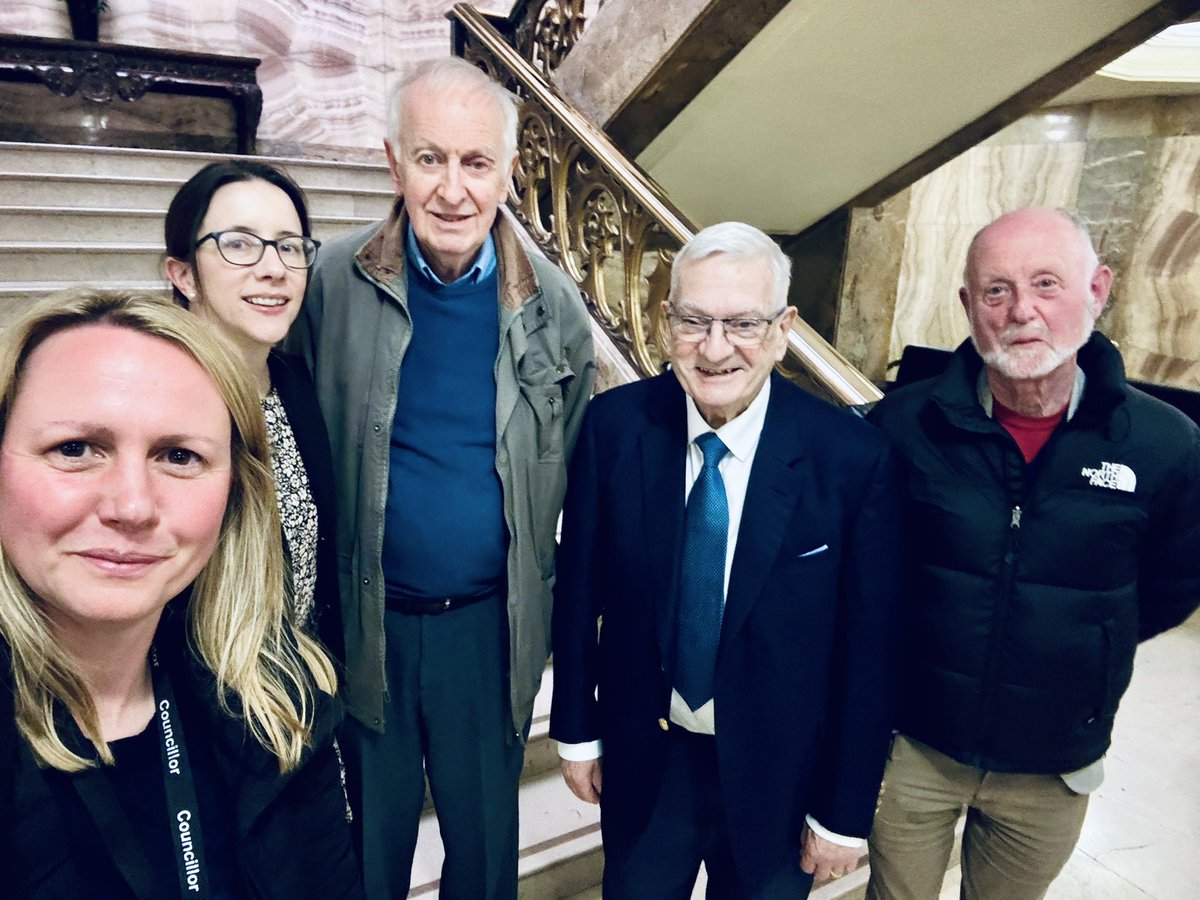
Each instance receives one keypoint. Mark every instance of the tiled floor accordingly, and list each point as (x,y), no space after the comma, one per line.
(1142,834)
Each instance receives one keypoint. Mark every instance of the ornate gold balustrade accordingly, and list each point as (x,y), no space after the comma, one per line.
(603,219)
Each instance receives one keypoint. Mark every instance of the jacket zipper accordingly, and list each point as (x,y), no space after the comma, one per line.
(1000,614)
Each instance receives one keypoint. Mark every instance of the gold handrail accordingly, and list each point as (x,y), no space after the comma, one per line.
(606,222)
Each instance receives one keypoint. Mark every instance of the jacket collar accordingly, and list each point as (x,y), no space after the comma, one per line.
(956,395)
(382,257)
(662,448)
(775,489)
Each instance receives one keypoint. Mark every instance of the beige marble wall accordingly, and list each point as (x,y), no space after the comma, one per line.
(1131,168)
(327,66)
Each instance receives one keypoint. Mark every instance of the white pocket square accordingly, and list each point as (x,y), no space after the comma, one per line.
(814,551)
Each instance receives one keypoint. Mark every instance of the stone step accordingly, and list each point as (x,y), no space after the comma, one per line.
(559,844)
(541,753)
(16,296)
(92,262)
(61,225)
(143,192)
(32,158)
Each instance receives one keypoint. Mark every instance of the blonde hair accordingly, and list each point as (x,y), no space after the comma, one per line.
(236,616)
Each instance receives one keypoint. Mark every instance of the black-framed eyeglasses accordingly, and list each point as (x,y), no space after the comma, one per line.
(243,248)
(745,331)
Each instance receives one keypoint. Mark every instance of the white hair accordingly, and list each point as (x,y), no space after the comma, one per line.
(741,241)
(450,73)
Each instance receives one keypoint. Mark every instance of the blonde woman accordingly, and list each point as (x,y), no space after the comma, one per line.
(164,731)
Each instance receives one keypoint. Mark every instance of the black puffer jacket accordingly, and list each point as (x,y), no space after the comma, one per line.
(1031,585)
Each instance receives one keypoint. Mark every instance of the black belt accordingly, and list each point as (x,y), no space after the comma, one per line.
(432,606)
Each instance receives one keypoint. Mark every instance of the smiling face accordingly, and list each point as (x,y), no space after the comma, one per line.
(723,379)
(115,470)
(1032,294)
(252,306)
(452,172)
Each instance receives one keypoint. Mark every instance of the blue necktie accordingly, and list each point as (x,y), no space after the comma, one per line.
(702,578)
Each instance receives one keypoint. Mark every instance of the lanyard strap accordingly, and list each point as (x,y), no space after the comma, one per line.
(116,831)
(182,805)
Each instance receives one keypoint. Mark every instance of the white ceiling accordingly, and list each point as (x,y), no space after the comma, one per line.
(853,90)
(1167,64)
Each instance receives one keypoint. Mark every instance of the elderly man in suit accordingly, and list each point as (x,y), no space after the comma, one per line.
(736,538)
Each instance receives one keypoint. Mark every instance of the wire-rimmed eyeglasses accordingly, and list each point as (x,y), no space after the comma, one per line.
(744,331)
(243,248)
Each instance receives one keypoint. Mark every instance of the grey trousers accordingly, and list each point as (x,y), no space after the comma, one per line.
(447,716)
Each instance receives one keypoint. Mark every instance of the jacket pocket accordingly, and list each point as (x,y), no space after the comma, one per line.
(545,393)
(1116,669)
(547,488)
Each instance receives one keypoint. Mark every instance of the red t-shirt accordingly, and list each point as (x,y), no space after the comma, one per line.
(1030,432)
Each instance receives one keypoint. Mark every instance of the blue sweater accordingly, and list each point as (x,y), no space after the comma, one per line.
(444,531)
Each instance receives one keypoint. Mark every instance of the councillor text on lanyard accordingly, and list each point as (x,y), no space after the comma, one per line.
(183,811)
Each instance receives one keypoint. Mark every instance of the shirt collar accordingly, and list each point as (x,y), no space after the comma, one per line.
(984,391)
(740,434)
(483,267)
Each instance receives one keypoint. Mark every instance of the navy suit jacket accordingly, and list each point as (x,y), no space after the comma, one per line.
(803,684)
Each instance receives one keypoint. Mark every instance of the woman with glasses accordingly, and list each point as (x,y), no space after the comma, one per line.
(239,248)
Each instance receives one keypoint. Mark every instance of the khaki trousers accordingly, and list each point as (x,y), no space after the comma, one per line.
(1020,830)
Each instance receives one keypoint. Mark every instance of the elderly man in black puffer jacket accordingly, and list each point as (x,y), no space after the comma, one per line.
(1053,522)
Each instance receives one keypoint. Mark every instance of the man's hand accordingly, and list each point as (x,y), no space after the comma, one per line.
(583,778)
(824,859)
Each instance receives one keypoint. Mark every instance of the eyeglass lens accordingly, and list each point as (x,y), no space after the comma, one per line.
(244,249)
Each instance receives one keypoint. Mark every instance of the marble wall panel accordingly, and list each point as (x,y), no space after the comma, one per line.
(1157,316)
(327,67)
(1130,168)
(39,18)
(870,278)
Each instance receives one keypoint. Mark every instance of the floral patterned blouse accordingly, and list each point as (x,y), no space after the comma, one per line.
(297,509)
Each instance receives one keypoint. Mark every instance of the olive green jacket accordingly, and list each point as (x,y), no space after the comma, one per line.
(353,332)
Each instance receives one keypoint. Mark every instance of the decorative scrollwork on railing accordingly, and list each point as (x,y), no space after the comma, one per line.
(591,224)
(602,219)
(548,30)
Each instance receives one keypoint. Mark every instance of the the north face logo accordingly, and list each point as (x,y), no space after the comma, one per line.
(1117,476)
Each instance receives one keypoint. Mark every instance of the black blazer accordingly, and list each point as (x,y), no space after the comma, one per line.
(289,831)
(291,379)
(803,682)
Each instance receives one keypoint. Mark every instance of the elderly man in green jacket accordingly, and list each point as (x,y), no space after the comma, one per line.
(452,369)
